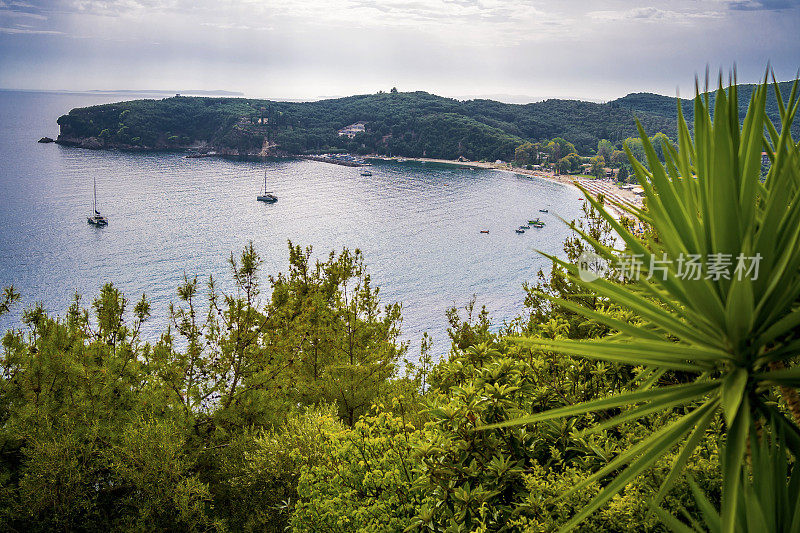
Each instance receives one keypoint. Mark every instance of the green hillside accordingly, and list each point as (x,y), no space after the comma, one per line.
(666,105)
(414,124)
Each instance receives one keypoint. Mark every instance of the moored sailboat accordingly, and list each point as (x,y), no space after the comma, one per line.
(266,196)
(96,219)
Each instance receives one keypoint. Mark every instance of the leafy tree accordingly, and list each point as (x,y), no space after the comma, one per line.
(598,168)
(569,164)
(526,154)
(327,323)
(618,159)
(10,296)
(559,148)
(622,175)
(85,443)
(605,149)
(634,148)
(366,481)
(256,480)
(659,141)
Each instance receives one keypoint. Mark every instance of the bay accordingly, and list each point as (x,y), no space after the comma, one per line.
(418,224)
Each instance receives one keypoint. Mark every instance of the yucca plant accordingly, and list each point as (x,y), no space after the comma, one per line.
(734,335)
(768,501)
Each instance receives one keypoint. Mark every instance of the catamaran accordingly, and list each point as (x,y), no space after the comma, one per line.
(96,219)
(266,196)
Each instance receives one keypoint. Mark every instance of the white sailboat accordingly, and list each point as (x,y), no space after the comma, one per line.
(266,196)
(96,219)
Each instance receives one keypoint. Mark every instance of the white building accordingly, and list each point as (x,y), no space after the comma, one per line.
(352,130)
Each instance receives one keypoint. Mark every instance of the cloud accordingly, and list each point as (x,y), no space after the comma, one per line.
(651,14)
(308,47)
(763,5)
(234,26)
(21,14)
(480,19)
(27,31)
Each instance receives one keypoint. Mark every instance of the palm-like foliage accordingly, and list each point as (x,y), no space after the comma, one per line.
(769,499)
(735,335)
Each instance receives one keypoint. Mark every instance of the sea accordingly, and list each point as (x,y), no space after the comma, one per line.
(417,224)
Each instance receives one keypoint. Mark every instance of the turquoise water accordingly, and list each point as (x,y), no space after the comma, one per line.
(417,224)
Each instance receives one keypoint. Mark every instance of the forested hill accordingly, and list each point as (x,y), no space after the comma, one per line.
(408,124)
(667,106)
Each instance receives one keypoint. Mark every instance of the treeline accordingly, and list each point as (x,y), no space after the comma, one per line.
(610,159)
(297,410)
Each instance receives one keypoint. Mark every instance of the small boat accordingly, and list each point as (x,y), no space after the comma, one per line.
(366,173)
(267,196)
(484,231)
(525,227)
(520,230)
(96,219)
(543,211)
(536,223)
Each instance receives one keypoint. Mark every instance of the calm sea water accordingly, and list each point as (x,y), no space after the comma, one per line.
(417,224)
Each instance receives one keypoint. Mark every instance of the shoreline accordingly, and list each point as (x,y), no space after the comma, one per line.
(551,176)
(595,186)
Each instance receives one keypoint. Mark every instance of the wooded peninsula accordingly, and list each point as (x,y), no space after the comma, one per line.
(407,124)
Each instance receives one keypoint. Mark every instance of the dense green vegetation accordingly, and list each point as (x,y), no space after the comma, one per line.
(408,124)
(622,403)
(666,105)
(292,411)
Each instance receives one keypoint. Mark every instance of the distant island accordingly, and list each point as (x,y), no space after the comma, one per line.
(408,124)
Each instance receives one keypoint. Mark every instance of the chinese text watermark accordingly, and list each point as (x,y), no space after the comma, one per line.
(632,267)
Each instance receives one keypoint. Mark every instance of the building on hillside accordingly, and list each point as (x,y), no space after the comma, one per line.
(351,130)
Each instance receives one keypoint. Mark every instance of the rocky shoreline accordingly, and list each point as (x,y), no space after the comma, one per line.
(95,143)
(197,149)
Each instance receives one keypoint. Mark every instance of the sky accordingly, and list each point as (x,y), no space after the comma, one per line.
(516,50)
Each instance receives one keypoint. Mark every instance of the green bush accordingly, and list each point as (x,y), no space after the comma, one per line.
(366,481)
(255,476)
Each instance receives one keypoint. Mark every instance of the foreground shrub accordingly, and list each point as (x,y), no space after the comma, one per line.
(255,477)
(366,483)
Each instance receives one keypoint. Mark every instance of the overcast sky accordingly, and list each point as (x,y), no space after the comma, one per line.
(595,50)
